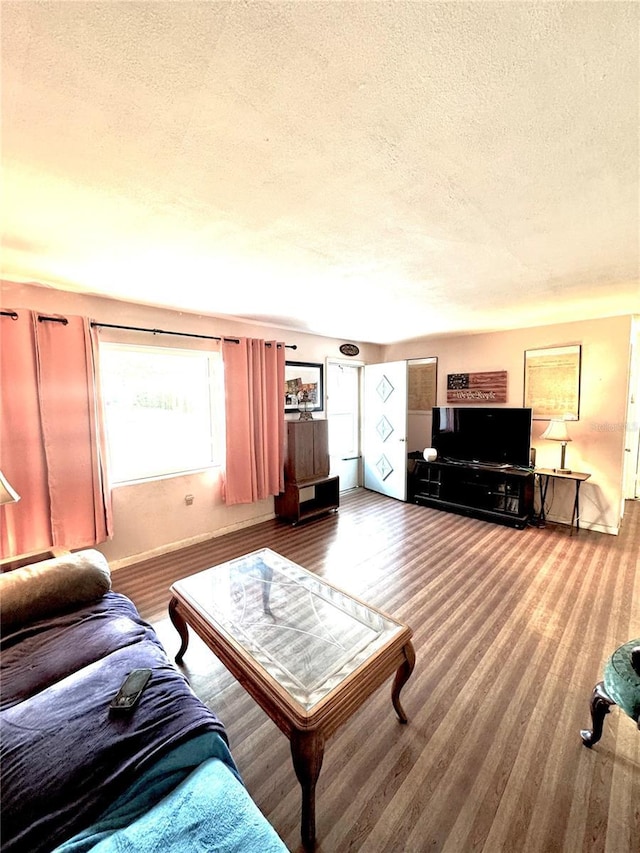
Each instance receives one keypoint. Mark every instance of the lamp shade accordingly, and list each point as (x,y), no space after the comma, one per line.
(8,495)
(556,431)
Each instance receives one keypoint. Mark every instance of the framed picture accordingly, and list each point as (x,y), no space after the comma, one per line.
(422,374)
(303,382)
(552,382)
(483,388)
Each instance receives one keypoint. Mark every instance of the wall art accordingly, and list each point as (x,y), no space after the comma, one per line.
(552,382)
(303,382)
(485,388)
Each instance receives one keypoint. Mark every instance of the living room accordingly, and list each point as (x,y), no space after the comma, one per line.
(151,516)
(448,181)
(565,599)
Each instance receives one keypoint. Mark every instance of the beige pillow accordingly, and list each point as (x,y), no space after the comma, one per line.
(52,586)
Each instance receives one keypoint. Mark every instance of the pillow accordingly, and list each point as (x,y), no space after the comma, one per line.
(52,586)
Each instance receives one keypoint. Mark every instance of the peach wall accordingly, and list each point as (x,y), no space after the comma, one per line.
(597,444)
(152,516)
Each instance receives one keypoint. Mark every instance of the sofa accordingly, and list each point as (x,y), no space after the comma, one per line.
(79,776)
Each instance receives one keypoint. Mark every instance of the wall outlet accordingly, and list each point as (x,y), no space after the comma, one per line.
(188,499)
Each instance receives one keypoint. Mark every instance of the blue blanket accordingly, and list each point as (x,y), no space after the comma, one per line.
(64,757)
(233,822)
(191,799)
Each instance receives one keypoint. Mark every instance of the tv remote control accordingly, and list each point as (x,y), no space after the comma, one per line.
(130,690)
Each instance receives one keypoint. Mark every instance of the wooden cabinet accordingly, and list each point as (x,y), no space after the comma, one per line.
(300,501)
(309,490)
(307,450)
(496,494)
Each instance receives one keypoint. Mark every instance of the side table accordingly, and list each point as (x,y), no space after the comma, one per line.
(620,686)
(545,474)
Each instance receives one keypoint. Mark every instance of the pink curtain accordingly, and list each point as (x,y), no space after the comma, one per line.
(50,433)
(254,414)
(24,526)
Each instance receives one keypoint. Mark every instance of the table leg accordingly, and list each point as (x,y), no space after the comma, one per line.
(543,497)
(402,676)
(600,704)
(307,751)
(181,627)
(576,508)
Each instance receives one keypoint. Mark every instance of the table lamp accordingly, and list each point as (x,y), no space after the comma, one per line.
(8,495)
(557,431)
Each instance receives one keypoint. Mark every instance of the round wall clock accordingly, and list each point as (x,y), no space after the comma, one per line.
(349,349)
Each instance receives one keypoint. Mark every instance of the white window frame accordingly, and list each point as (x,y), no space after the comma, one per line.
(164,464)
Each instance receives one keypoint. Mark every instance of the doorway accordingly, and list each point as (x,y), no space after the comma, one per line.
(344,380)
(398,410)
(385,428)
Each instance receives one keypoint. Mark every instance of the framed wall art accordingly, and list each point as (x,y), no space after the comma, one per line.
(552,382)
(484,388)
(303,382)
(422,374)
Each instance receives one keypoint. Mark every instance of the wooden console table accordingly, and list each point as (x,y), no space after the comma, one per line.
(546,474)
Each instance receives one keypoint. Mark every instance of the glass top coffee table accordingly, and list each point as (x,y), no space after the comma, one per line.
(307,652)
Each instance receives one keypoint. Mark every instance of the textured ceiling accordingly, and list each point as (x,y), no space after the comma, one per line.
(370,171)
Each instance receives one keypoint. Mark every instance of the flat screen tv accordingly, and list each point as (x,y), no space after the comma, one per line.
(490,436)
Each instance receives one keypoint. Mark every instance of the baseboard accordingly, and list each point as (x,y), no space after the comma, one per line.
(114,565)
(585,525)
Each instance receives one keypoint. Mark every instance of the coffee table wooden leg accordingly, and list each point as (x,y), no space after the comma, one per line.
(402,676)
(181,627)
(307,751)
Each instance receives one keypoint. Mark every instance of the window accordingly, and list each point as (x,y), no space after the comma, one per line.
(344,410)
(163,407)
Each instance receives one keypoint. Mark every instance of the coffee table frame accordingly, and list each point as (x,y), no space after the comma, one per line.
(307,731)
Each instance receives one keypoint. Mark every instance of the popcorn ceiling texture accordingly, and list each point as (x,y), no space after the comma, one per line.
(373,171)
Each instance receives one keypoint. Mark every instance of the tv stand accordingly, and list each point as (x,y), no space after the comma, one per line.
(490,492)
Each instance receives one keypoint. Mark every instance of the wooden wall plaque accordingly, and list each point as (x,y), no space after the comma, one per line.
(484,388)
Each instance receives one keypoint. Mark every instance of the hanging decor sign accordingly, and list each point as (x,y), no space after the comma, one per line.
(349,349)
(488,388)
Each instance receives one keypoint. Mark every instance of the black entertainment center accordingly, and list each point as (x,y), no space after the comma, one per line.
(482,466)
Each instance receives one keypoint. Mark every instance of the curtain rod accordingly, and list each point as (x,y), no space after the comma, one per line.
(62,320)
(179,334)
(42,319)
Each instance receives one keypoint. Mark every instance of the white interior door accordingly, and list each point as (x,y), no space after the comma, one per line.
(385,428)
(343,414)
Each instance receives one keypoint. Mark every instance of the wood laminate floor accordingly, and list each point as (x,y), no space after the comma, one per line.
(511,630)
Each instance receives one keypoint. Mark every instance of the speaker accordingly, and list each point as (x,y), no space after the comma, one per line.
(532,458)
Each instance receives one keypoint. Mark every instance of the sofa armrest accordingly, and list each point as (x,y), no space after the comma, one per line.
(53,586)
(9,564)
